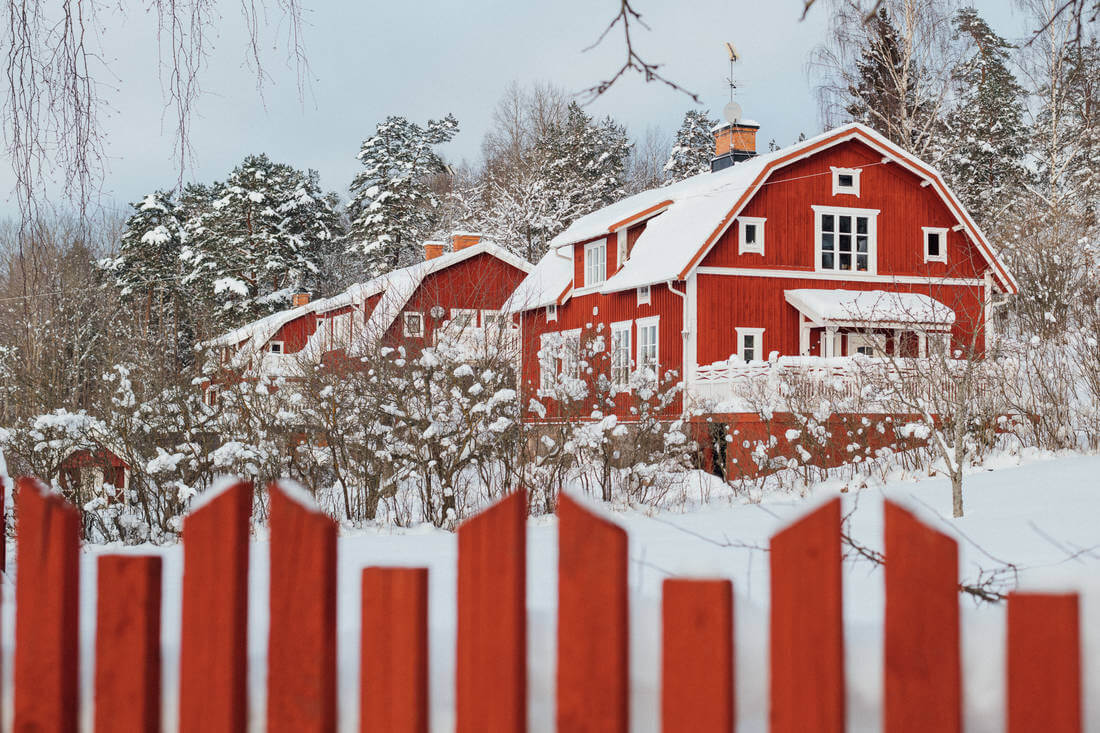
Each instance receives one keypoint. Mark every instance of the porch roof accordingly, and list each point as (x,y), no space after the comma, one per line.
(871,308)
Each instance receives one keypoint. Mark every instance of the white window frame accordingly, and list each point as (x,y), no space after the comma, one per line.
(744,247)
(857,340)
(839,189)
(271,347)
(620,248)
(645,323)
(620,372)
(757,335)
(551,312)
(470,312)
(645,294)
(872,240)
(210,396)
(569,355)
(416,315)
(494,319)
(591,272)
(942,256)
(547,363)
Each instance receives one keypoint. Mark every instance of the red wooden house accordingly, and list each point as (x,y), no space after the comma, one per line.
(463,291)
(842,244)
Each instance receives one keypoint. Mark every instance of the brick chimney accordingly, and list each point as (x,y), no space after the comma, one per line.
(462,240)
(299,299)
(733,143)
(432,250)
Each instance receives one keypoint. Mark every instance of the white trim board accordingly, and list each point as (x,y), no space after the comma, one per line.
(846,277)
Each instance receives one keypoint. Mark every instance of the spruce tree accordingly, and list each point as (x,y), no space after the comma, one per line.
(693,147)
(987,138)
(393,208)
(586,163)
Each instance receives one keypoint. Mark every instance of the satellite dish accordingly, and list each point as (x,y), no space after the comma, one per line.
(732,113)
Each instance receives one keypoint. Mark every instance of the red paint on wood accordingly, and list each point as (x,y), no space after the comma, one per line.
(127,644)
(1044,663)
(593,622)
(214,631)
(491,669)
(394,661)
(301,667)
(697,693)
(807,634)
(47,587)
(922,676)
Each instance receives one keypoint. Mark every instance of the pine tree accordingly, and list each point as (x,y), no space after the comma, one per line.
(393,208)
(986,131)
(1083,123)
(586,163)
(693,148)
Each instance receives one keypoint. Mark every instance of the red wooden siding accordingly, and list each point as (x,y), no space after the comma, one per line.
(727,302)
(904,207)
(1044,663)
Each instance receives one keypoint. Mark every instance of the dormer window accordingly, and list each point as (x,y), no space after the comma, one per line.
(935,244)
(595,263)
(750,238)
(846,181)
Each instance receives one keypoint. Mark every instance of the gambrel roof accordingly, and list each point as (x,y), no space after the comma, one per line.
(686,219)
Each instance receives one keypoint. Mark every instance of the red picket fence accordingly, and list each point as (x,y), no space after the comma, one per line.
(922,681)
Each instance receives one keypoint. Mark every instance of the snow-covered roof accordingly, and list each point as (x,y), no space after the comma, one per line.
(870,307)
(686,218)
(397,285)
(544,284)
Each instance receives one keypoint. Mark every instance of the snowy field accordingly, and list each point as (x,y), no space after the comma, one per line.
(1040,515)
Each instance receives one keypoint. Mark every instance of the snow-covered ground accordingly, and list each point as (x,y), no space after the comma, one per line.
(1040,515)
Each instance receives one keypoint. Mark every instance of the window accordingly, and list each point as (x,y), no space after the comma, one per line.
(868,344)
(846,239)
(413,324)
(570,356)
(647,343)
(846,180)
(643,295)
(275,347)
(464,318)
(751,235)
(552,312)
(620,248)
(547,344)
(595,263)
(495,320)
(750,344)
(620,356)
(935,244)
(210,396)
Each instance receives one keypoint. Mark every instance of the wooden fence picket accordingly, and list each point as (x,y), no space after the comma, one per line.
(923,670)
(491,654)
(1043,663)
(394,651)
(593,670)
(697,692)
(214,623)
(807,630)
(127,644)
(47,629)
(301,656)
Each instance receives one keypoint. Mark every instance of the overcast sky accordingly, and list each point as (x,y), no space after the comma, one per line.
(427,59)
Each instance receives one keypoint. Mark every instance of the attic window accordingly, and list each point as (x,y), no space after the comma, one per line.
(935,244)
(846,181)
(750,237)
(643,295)
(275,347)
(414,324)
(552,312)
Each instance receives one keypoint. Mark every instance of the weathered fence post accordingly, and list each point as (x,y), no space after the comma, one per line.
(491,664)
(214,630)
(301,657)
(127,645)
(593,682)
(697,693)
(807,630)
(923,671)
(394,658)
(1043,663)
(47,589)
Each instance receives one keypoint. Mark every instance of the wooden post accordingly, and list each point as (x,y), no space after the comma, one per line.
(394,659)
(491,657)
(1044,663)
(923,672)
(301,657)
(593,682)
(47,624)
(127,645)
(807,631)
(697,693)
(214,630)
